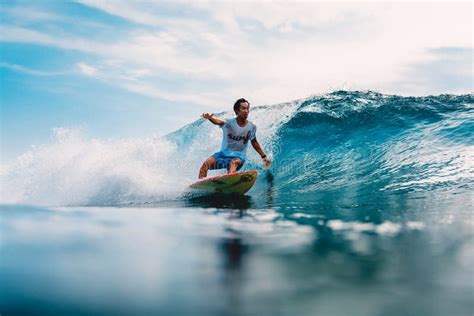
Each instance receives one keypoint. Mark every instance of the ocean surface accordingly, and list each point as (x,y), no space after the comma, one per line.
(366,210)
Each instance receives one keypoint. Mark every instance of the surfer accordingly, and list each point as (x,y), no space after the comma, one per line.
(237,132)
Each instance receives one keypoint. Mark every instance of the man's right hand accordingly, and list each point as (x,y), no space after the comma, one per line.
(207,116)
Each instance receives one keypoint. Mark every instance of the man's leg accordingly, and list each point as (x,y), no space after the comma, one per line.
(233,165)
(211,161)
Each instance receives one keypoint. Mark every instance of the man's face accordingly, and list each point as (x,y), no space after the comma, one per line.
(244,110)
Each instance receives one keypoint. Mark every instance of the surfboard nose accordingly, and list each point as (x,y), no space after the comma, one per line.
(238,182)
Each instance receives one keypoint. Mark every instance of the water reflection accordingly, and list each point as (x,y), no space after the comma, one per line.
(216,200)
(270,188)
(233,250)
(228,258)
(233,254)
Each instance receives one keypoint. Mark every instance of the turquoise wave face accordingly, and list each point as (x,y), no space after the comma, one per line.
(364,144)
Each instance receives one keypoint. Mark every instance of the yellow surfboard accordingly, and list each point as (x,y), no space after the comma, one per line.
(238,182)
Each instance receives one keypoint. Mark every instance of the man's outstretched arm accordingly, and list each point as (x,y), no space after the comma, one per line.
(260,151)
(214,120)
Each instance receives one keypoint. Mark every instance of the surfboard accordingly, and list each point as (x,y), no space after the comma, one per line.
(237,182)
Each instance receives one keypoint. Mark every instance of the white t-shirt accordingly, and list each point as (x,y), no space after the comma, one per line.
(237,138)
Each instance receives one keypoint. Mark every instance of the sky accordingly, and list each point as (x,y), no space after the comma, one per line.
(119,69)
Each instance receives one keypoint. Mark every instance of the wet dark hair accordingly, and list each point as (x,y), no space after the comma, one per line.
(237,104)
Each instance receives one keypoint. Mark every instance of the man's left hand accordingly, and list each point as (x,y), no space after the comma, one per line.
(267,162)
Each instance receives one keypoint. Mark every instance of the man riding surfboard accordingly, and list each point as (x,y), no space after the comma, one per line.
(237,132)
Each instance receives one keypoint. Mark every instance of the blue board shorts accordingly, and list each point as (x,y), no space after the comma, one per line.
(224,157)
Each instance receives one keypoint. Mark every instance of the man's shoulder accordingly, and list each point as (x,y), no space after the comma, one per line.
(233,122)
(227,122)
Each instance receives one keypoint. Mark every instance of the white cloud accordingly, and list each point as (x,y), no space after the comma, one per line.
(125,9)
(86,69)
(206,99)
(269,52)
(131,80)
(25,14)
(282,15)
(33,72)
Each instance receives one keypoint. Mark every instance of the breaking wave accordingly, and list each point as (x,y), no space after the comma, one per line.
(342,143)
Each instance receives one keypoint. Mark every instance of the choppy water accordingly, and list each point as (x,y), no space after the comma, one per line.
(367,210)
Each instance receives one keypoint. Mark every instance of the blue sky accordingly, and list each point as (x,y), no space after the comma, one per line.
(117,69)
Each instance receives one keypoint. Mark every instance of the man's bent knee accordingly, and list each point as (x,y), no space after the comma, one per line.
(206,166)
(234,164)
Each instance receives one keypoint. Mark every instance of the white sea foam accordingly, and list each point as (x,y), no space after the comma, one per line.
(386,228)
(304,215)
(75,170)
